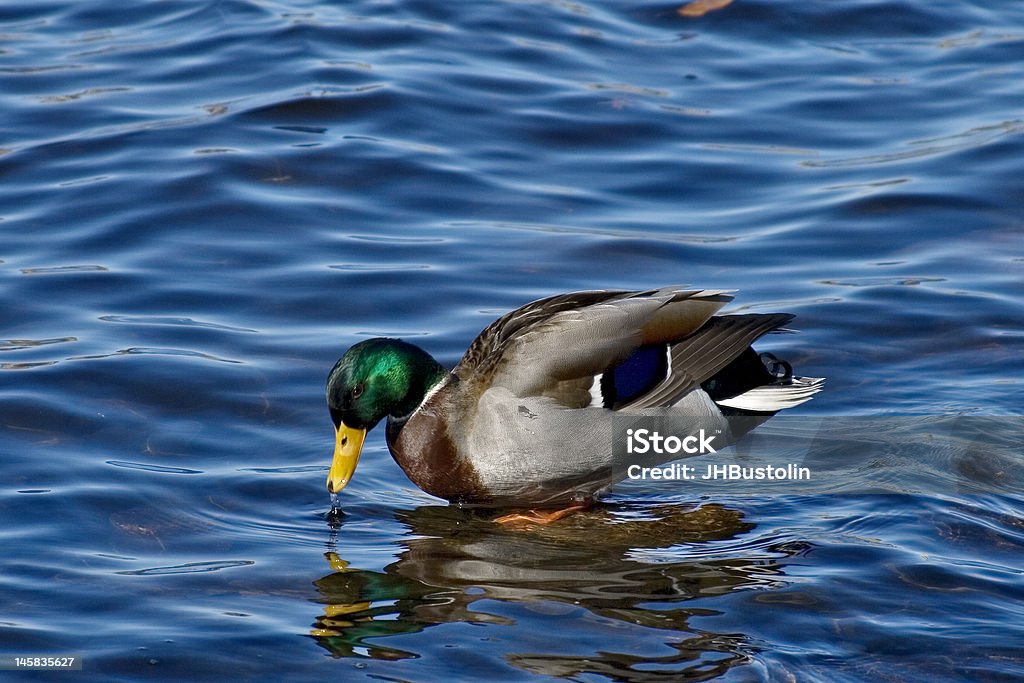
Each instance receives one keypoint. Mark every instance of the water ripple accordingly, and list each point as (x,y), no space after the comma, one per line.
(148,467)
(57,270)
(17,344)
(153,351)
(163,320)
(188,568)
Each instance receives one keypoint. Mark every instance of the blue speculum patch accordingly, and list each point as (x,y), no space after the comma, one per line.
(635,375)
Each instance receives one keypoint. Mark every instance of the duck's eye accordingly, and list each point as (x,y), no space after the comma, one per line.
(357,390)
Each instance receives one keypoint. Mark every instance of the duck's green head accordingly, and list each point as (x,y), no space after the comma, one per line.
(374,379)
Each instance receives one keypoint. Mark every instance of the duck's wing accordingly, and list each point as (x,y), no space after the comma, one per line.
(556,346)
(701,355)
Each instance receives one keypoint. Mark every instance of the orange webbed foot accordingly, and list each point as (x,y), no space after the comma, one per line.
(538,516)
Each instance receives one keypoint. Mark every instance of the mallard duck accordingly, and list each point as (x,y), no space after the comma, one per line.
(523,420)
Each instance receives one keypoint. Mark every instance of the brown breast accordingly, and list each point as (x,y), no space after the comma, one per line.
(423,448)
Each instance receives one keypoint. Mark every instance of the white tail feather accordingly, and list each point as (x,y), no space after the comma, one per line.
(774,397)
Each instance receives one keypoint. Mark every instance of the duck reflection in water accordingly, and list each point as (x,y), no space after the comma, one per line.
(622,563)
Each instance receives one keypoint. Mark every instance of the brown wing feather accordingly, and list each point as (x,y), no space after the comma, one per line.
(702,354)
(495,338)
(548,347)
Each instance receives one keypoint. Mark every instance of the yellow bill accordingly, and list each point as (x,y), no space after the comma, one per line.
(348,444)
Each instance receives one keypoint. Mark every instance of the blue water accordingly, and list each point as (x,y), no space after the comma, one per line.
(202,204)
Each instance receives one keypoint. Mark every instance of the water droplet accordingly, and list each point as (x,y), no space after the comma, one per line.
(334,502)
